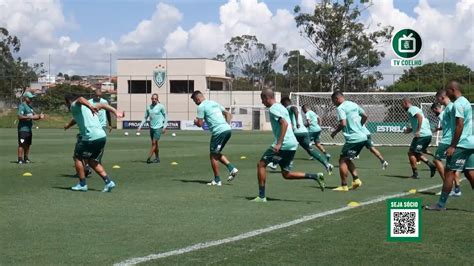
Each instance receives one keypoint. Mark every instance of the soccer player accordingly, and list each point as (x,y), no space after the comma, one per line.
(370,146)
(462,143)
(350,117)
(446,136)
(218,119)
(26,115)
(302,135)
(283,148)
(90,145)
(158,122)
(422,137)
(312,121)
(104,115)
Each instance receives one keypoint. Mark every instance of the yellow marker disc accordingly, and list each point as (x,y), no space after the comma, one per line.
(174,163)
(116,167)
(243,157)
(412,191)
(27,174)
(353,204)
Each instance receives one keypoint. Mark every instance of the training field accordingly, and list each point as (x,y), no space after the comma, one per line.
(161,208)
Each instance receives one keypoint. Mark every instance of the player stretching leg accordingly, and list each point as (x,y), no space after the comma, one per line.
(351,118)
(422,137)
(218,119)
(302,135)
(313,121)
(90,146)
(283,148)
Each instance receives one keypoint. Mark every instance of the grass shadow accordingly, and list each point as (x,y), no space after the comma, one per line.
(69,188)
(202,182)
(429,193)
(398,176)
(282,200)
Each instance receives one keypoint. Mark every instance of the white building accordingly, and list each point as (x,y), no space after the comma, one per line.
(174,80)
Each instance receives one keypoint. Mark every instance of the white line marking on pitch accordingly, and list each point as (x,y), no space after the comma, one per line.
(257,232)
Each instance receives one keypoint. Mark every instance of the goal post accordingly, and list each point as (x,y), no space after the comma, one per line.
(386,117)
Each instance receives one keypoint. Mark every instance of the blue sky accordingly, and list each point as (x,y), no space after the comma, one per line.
(118,16)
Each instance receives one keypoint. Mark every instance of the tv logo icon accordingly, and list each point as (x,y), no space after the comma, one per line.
(407,44)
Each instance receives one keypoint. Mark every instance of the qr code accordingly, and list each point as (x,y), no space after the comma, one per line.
(404,222)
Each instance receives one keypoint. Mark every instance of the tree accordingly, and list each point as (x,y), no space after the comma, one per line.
(14,72)
(76,78)
(246,56)
(66,77)
(302,73)
(343,49)
(60,74)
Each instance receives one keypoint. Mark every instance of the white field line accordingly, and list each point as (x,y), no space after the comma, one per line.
(203,245)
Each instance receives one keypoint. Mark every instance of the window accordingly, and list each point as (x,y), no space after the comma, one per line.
(139,86)
(181,86)
(216,85)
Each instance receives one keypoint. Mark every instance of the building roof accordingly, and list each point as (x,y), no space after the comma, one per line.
(169,58)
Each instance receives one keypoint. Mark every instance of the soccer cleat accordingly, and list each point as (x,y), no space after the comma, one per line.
(272,166)
(432,171)
(149,161)
(356,183)
(439,194)
(27,161)
(384,165)
(88,171)
(78,187)
(341,188)
(455,194)
(434,207)
(214,183)
(320,179)
(357,157)
(156,160)
(310,158)
(20,162)
(232,174)
(329,168)
(415,177)
(258,199)
(108,187)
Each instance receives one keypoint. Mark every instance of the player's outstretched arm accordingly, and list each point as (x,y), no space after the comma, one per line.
(296,114)
(110,109)
(70,124)
(342,124)
(363,119)
(199,122)
(228,116)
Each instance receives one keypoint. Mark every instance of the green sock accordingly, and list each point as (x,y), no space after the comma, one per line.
(310,176)
(316,155)
(442,199)
(230,167)
(217,178)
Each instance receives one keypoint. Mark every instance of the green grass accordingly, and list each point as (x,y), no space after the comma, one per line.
(158,208)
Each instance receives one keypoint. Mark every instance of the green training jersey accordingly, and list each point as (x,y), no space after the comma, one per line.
(102,113)
(462,109)
(294,123)
(211,112)
(445,120)
(88,123)
(313,121)
(278,111)
(425,130)
(157,115)
(351,112)
(25,109)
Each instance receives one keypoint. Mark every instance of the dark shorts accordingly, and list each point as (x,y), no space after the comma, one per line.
(219,141)
(419,145)
(459,159)
(25,138)
(89,150)
(315,136)
(303,140)
(351,150)
(369,143)
(282,158)
(441,151)
(155,134)
(469,165)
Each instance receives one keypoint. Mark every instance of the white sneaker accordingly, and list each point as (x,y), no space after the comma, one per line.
(357,157)
(108,187)
(438,194)
(232,174)
(272,166)
(78,187)
(454,194)
(214,183)
(310,158)
(384,165)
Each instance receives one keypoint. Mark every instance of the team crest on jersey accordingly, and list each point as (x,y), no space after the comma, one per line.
(159,75)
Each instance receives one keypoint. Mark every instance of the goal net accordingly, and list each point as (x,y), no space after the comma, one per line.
(386,117)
